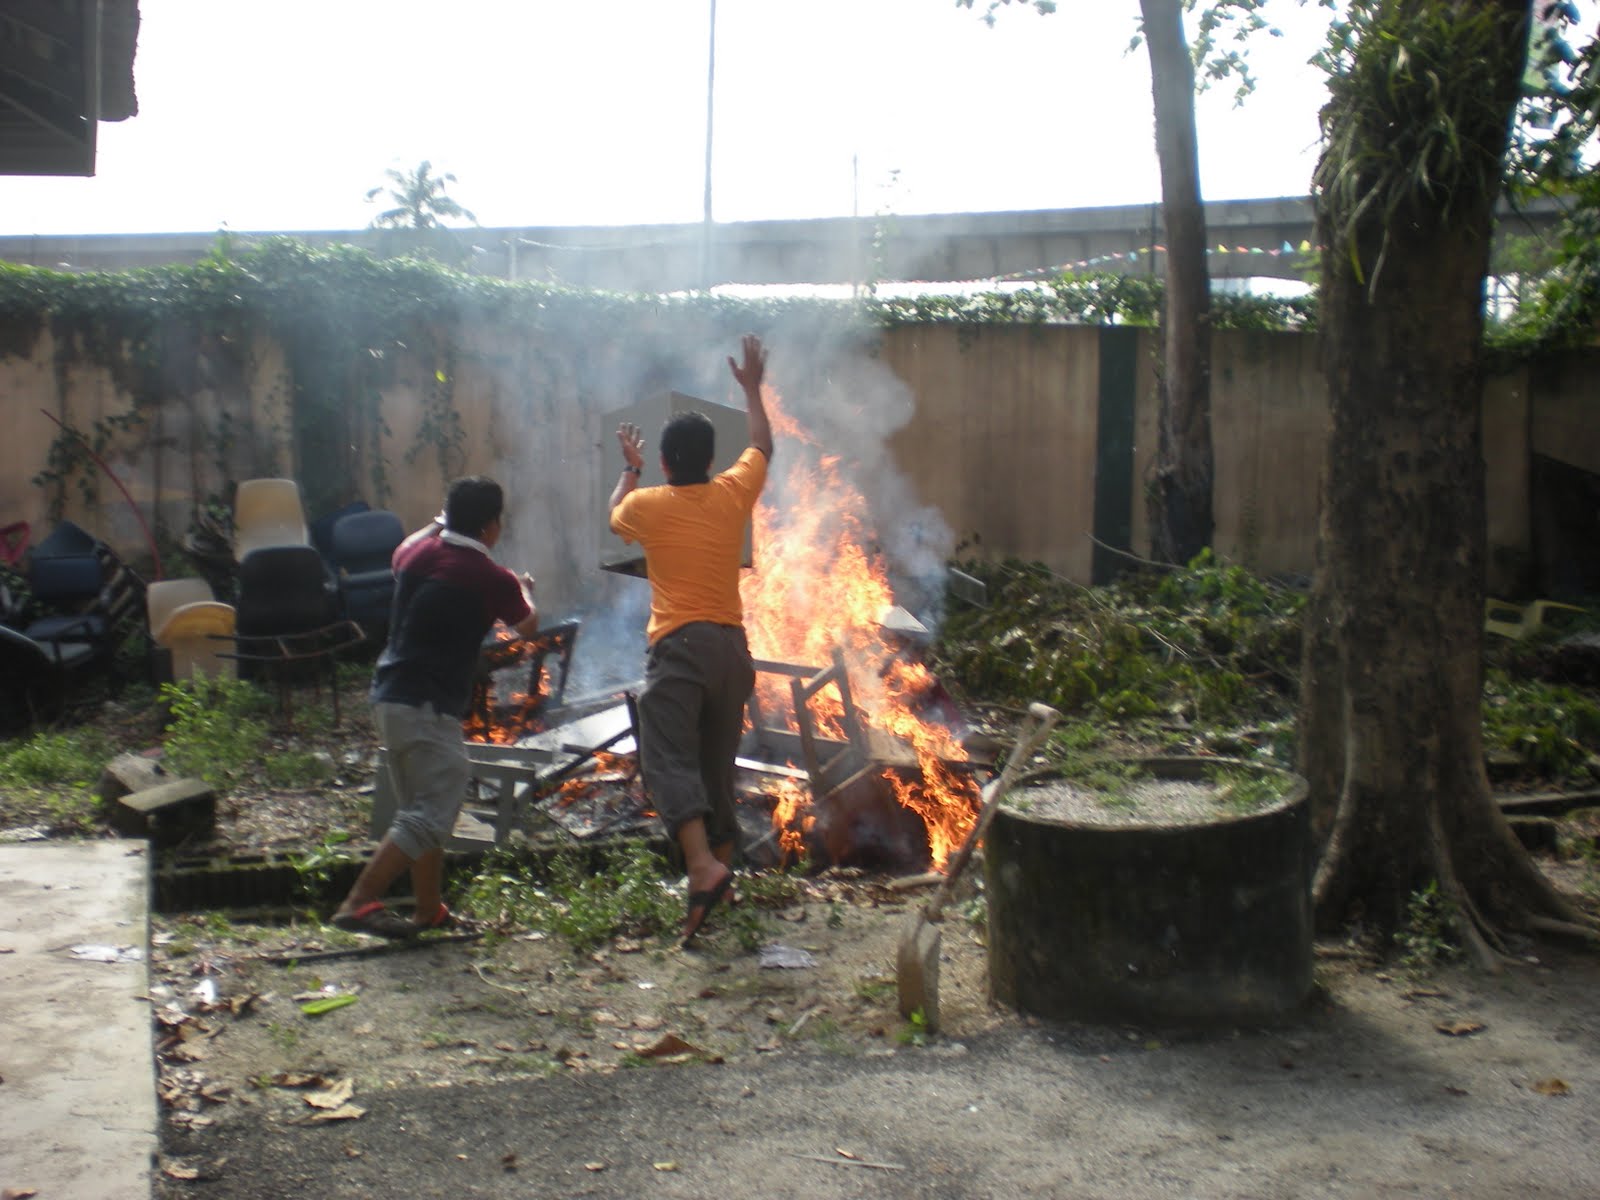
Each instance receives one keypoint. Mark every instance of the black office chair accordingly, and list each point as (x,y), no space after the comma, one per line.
(42,679)
(287,614)
(360,551)
(88,597)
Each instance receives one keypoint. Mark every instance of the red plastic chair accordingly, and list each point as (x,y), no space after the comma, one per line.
(14,542)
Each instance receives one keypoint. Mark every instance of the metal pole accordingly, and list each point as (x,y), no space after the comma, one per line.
(711,86)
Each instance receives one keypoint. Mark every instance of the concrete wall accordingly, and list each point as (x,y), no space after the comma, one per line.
(996,429)
(1004,438)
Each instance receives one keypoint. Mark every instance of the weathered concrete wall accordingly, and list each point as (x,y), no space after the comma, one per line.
(994,429)
(1004,438)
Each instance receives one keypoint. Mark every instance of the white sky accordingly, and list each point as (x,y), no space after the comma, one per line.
(573,112)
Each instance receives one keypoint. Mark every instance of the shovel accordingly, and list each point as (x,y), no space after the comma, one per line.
(917,964)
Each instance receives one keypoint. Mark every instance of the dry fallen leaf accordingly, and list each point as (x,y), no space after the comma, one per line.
(594,1166)
(334,1097)
(1552,1087)
(665,1166)
(667,1044)
(509,1160)
(345,1112)
(291,1079)
(1459,1028)
(18,1193)
(171,1171)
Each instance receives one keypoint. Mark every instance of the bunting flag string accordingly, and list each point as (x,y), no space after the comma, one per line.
(1133,256)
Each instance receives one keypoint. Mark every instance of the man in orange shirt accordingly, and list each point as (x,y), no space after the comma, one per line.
(698,674)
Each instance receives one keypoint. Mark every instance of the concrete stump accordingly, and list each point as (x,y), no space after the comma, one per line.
(1198,924)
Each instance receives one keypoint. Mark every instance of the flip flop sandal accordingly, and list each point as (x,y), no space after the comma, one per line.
(449,922)
(375,919)
(705,902)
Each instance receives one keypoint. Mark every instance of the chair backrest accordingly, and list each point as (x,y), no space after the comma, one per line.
(65,580)
(366,541)
(321,530)
(66,539)
(167,595)
(268,512)
(284,590)
(197,636)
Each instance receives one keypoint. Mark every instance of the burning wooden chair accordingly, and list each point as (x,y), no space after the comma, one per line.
(829,762)
(546,684)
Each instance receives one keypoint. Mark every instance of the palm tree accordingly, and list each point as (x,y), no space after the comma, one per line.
(419,200)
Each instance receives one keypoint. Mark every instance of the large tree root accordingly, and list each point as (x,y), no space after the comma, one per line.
(1589,933)
(1476,933)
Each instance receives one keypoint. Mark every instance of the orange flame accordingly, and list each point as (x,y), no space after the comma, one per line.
(819,583)
(607,767)
(506,719)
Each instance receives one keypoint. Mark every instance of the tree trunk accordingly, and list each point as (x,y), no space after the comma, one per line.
(1181,519)
(1391,703)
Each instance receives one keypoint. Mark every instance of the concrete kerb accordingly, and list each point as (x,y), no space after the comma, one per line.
(77,1076)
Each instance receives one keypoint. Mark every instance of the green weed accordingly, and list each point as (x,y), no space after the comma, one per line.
(315,868)
(915,1031)
(218,727)
(73,759)
(294,768)
(627,896)
(875,990)
(1554,729)
(1244,791)
(1427,939)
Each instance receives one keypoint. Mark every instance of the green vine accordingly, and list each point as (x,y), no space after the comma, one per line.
(344,318)
(441,425)
(70,460)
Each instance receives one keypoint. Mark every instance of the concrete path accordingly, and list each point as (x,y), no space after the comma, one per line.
(77,1087)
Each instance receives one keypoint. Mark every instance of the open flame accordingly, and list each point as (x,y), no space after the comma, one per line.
(820,584)
(504,719)
(606,770)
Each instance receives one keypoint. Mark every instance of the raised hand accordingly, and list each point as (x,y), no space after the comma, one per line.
(750,373)
(632,443)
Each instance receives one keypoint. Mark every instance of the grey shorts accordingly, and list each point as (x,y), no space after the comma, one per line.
(428,773)
(691,717)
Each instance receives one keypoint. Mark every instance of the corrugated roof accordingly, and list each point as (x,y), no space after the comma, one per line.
(65,66)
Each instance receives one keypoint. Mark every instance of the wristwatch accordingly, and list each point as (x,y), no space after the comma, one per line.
(632,470)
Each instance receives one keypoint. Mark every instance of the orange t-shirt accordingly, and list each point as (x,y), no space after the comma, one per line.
(693,539)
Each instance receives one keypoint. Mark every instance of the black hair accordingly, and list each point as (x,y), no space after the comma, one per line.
(472,502)
(688,442)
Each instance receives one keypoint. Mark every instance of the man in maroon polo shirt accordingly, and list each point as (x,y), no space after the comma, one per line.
(448,594)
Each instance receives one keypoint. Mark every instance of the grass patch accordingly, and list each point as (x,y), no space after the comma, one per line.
(1555,730)
(218,729)
(1241,791)
(295,768)
(72,758)
(624,896)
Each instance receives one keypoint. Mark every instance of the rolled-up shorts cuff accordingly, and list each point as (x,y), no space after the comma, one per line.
(428,774)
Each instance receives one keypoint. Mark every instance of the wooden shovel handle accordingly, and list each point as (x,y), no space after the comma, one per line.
(1035,727)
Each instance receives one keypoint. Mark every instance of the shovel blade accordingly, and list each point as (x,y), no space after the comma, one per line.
(917,971)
